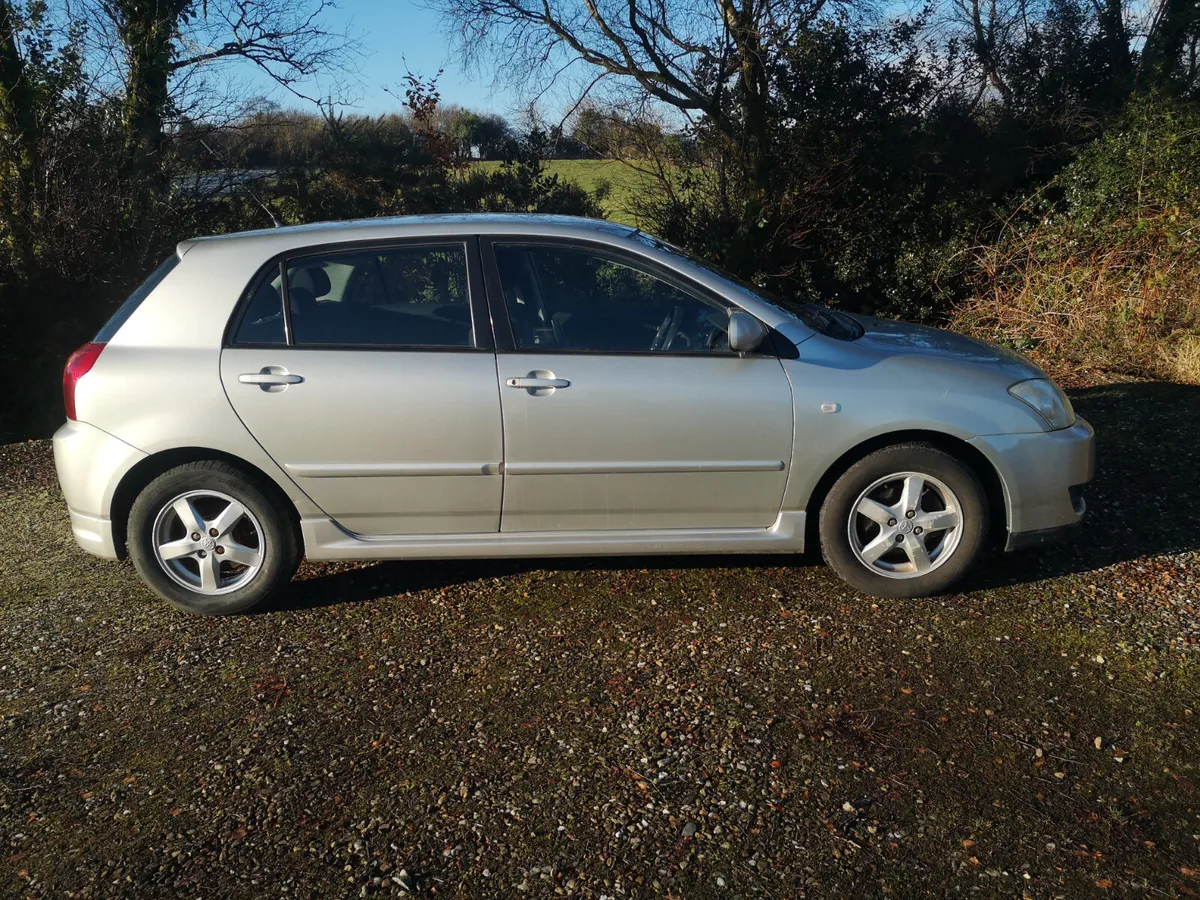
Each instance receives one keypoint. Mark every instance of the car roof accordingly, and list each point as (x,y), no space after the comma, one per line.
(531,224)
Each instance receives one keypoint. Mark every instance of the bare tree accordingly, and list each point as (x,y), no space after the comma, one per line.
(1171,35)
(988,25)
(164,40)
(706,58)
(1148,43)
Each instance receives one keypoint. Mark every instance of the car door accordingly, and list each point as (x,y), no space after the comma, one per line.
(368,374)
(623,406)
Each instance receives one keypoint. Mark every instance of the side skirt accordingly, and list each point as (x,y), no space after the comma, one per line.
(325,540)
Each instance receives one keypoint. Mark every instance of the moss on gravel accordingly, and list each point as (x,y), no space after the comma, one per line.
(649,727)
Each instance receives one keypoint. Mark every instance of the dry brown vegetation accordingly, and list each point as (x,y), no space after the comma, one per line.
(1128,304)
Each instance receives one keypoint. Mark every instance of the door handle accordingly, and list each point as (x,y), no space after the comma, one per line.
(538,383)
(269,378)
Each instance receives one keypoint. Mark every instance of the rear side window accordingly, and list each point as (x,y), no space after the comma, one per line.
(121,316)
(393,297)
(263,322)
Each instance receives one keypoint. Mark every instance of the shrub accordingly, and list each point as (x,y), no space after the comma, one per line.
(1110,276)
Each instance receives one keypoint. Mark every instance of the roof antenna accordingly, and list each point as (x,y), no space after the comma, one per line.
(275,223)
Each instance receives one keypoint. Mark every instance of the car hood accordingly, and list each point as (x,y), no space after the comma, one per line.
(892,338)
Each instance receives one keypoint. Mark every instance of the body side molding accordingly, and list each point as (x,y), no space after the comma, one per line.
(324,540)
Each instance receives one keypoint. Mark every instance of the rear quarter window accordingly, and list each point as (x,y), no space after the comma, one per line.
(126,309)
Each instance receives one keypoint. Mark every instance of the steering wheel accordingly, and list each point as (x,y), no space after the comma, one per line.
(667,330)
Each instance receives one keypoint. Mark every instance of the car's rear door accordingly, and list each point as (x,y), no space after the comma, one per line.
(368,374)
(624,408)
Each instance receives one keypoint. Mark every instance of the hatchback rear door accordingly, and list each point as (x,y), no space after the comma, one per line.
(368,374)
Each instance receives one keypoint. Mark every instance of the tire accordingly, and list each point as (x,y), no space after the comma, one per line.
(253,555)
(857,522)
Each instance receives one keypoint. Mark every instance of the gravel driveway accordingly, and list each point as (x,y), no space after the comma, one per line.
(676,727)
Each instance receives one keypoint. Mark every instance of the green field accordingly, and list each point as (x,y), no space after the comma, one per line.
(622,178)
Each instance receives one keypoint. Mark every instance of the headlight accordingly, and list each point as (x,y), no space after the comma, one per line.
(1047,399)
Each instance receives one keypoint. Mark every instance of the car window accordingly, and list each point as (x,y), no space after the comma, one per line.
(567,298)
(830,322)
(399,296)
(262,322)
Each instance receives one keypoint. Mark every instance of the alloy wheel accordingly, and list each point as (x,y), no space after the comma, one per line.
(905,525)
(208,542)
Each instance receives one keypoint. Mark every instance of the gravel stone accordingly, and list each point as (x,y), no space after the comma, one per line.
(675,727)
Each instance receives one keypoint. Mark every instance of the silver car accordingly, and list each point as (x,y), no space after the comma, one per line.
(514,385)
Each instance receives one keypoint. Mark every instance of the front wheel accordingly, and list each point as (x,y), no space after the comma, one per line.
(209,540)
(905,521)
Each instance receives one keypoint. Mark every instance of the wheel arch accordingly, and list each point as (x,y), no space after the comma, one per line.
(146,470)
(980,465)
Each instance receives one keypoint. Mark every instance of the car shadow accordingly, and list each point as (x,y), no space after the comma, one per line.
(1147,485)
(316,586)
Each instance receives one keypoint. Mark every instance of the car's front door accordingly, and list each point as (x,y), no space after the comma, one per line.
(376,389)
(623,406)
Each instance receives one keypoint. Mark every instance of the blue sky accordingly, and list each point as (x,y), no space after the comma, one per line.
(394,32)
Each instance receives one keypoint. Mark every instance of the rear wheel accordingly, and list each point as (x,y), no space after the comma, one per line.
(905,521)
(208,539)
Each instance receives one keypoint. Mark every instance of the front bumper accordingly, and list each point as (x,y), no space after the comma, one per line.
(1043,476)
(90,464)
(1022,540)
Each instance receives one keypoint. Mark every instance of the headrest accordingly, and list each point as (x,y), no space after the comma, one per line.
(314,278)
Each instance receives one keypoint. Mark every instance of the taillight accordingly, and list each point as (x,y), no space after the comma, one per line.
(79,364)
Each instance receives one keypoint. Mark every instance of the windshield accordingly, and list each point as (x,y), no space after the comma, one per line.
(829,322)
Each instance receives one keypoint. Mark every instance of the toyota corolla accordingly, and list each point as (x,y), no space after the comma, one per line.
(502,386)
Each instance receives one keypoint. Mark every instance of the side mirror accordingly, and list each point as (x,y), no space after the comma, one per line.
(746,333)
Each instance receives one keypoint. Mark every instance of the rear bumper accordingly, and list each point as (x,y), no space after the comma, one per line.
(90,464)
(1043,477)
(94,534)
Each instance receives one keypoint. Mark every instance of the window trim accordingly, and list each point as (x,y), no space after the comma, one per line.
(506,341)
(286,300)
(482,334)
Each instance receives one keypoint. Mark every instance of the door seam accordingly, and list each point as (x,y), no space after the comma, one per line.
(503,445)
(791,466)
(233,408)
